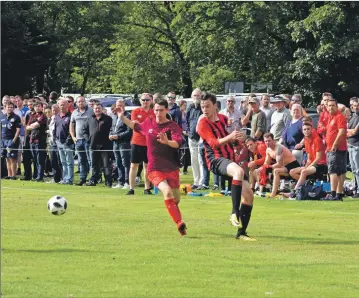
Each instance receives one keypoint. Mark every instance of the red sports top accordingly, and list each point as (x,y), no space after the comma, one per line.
(140,115)
(313,145)
(323,122)
(160,157)
(210,132)
(336,122)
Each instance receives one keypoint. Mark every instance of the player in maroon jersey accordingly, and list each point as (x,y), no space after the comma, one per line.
(163,139)
(221,160)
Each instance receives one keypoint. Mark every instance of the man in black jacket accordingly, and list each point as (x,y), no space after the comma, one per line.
(120,135)
(27,156)
(97,128)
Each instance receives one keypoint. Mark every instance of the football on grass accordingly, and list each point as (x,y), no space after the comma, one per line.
(57,205)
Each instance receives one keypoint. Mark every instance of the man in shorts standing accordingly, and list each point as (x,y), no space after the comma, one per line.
(317,162)
(138,143)
(220,159)
(10,130)
(337,149)
(163,139)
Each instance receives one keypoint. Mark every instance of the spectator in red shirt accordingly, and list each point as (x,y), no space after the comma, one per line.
(138,143)
(337,148)
(324,115)
(316,163)
(71,103)
(163,139)
(220,159)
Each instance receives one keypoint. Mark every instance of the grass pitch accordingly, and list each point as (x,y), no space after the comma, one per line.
(111,245)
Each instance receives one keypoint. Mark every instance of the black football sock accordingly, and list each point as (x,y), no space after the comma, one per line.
(245,214)
(333,193)
(223,182)
(230,179)
(236,196)
(340,195)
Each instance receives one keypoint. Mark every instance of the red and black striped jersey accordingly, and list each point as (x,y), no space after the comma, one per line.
(211,132)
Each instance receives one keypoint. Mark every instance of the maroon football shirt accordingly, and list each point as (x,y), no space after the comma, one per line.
(161,157)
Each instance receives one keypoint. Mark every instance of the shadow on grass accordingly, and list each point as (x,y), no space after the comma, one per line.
(315,241)
(229,235)
(193,237)
(58,250)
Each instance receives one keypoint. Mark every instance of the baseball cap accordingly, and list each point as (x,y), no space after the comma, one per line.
(277,98)
(253,100)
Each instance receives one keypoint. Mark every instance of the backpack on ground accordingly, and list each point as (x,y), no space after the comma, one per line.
(308,191)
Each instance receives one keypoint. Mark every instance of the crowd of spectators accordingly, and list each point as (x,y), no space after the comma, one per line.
(47,134)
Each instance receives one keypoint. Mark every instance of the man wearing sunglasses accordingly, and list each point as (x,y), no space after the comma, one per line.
(138,143)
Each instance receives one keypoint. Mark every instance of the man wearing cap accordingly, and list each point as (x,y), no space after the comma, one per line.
(281,117)
(258,122)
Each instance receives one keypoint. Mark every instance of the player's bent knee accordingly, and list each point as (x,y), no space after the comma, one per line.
(168,194)
(235,171)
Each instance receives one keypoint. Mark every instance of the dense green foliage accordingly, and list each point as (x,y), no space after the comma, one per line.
(93,47)
(108,244)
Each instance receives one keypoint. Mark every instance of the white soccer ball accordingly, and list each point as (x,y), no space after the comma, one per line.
(57,205)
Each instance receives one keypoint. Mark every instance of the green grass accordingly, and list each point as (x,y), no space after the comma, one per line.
(111,245)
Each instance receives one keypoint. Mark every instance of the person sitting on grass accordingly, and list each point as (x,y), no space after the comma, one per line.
(316,163)
(285,161)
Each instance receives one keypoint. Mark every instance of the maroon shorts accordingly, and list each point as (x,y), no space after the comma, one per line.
(172,178)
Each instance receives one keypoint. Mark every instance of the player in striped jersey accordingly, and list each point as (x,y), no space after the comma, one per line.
(220,159)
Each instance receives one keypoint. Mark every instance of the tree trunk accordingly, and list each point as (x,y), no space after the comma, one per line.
(185,72)
(84,82)
(39,83)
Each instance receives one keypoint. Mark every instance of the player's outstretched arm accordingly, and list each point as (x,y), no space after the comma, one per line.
(123,118)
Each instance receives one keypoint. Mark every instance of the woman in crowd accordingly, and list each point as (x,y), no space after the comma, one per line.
(293,133)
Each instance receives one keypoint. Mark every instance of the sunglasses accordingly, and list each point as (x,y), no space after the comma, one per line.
(171,97)
(145,99)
